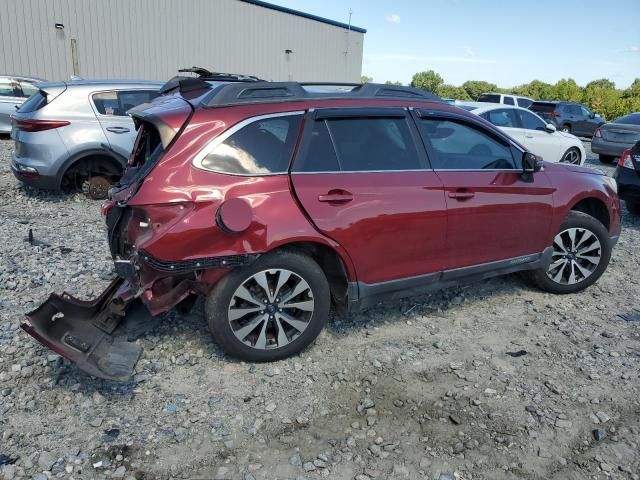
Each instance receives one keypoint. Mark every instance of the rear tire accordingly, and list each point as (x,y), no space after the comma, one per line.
(565,128)
(633,207)
(572,156)
(606,158)
(251,314)
(581,254)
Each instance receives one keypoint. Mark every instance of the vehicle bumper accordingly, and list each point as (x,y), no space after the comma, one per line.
(602,147)
(628,184)
(31,176)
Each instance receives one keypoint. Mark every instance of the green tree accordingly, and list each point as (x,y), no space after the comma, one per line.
(451,91)
(601,83)
(365,79)
(536,89)
(568,90)
(429,81)
(476,87)
(389,82)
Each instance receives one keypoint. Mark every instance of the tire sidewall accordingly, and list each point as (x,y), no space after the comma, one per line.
(572,149)
(217,304)
(579,220)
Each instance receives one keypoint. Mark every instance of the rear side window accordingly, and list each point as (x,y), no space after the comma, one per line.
(530,121)
(359,145)
(524,102)
(503,117)
(263,146)
(34,102)
(116,103)
(509,101)
(631,119)
(489,97)
(27,88)
(455,145)
(543,107)
(6,88)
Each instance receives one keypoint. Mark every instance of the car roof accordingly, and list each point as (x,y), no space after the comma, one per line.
(508,94)
(481,107)
(22,77)
(94,84)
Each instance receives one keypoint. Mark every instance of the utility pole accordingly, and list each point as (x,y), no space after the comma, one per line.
(346,52)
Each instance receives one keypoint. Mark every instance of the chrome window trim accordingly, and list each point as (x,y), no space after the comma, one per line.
(513,170)
(213,143)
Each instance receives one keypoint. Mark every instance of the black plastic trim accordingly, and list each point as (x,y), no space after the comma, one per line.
(186,266)
(365,112)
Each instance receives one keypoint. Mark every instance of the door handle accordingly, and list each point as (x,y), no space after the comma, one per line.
(462,194)
(117,129)
(336,197)
(528,136)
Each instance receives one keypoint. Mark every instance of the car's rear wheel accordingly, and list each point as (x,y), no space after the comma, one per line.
(633,207)
(606,158)
(271,309)
(566,128)
(581,253)
(572,156)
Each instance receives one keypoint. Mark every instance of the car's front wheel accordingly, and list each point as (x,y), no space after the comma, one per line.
(271,309)
(566,128)
(572,156)
(581,253)
(606,158)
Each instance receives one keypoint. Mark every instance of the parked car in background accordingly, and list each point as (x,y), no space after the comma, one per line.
(273,200)
(627,175)
(14,90)
(568,117)
(531,131)
(611,139)
(77,135)
(506,99)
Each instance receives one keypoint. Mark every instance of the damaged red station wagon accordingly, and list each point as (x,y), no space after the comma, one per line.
(275,200)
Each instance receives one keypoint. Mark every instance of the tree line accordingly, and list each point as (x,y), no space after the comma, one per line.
(601,96)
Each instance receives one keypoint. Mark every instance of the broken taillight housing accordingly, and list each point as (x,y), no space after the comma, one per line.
(626,160)
(146,220)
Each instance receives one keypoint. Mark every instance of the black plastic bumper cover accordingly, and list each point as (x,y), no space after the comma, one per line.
(68,326)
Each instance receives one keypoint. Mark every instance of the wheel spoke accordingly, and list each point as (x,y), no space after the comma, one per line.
(585,236)
(560,261)
(306,305)
(584,271)
(589,248)
(572,273)
(283,276)
(572,237)
(242,333)
(595,259)
(261,343)
(246,295)
(236,313)
(557,242)
(558,276)
(301,287)
(263,283)
(297,324)
(282,335)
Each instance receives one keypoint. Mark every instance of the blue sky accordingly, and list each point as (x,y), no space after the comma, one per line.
(504,42)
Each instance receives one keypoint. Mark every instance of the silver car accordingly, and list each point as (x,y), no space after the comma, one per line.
(14,90)
(76,135)
(611,139)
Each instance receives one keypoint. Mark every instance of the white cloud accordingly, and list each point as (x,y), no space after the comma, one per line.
(634,49)
(393,18)
(469,51)
(430,58)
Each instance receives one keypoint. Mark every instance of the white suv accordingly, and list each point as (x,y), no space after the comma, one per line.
(515,100)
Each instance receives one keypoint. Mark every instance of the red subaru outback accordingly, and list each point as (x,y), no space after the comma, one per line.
(275,200)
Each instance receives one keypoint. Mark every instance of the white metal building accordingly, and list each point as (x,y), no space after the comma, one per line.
(152,39)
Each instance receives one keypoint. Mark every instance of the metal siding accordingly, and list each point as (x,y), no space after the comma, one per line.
(151,39)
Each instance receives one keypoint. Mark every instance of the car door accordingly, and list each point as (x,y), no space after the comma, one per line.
(364,182)
(111,110)
(538,139)
(9,100)
(589,121)
(493,214)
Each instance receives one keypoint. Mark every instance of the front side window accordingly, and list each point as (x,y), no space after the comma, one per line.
(585,112)
(509,101)
(358,145)
(117,103)
(503,117)
(263,146)
(531,122)
(456,145)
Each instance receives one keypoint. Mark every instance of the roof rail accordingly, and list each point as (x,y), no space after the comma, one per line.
(185,83)
(260,92)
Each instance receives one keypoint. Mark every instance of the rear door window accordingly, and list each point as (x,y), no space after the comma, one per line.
(117,103)
(524,102)
(509,101)
(503,117)
(457,145)
(262,146)
(530,122)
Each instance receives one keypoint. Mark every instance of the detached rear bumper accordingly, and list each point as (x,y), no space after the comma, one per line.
(97,335)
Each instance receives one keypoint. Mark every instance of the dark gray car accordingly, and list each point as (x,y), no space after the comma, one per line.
(611,139)
(568,117)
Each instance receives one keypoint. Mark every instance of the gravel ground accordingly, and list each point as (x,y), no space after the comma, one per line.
(418,388)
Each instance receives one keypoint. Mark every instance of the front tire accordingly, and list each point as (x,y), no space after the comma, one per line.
(270,310)
(581,253)
(566,128)
(606,158)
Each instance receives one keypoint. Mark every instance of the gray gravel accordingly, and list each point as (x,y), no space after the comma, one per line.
(412,389)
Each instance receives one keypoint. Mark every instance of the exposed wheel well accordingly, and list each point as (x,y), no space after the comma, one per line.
(330,263)
(595,208)
(90,165)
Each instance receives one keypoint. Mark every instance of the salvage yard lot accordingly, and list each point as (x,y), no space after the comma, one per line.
(418,388)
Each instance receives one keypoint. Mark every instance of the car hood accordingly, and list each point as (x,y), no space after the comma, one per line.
(567,135)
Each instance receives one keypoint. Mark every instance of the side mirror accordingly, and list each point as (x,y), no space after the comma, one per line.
(592,115)
(530,165)
(550,127)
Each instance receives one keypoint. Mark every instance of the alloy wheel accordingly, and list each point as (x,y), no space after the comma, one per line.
(271,309)
(576,255)
(572,156)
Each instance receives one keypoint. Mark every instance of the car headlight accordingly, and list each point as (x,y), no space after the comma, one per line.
(612,183)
